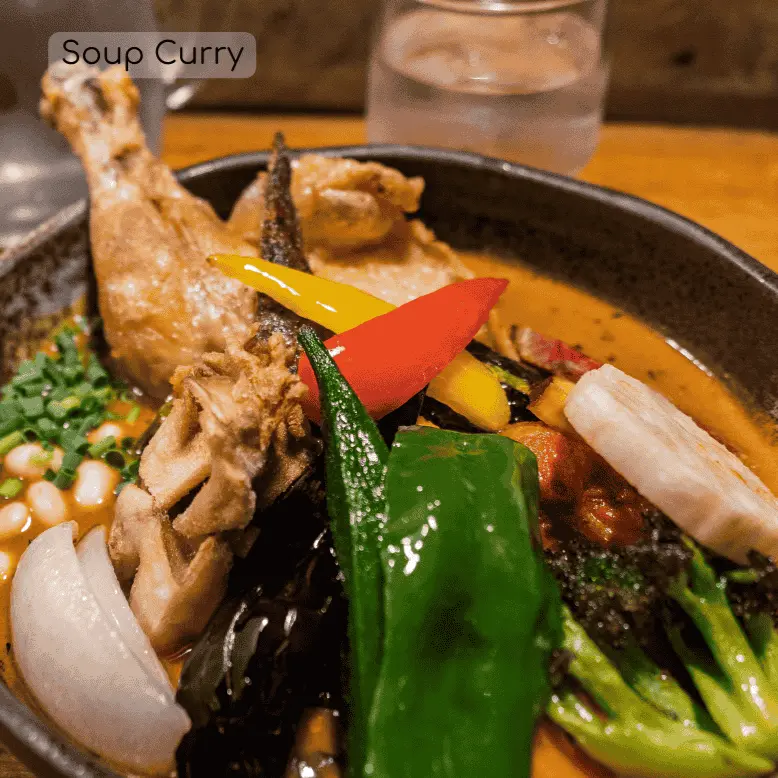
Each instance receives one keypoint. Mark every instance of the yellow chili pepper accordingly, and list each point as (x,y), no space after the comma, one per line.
(466,385)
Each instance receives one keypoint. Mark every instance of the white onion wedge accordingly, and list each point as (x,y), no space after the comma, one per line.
(96,566)
(704,488)
(74,660)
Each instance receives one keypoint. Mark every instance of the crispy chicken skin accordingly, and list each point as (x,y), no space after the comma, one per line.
(353,217)
(163,306)
(235,415)
(235,424)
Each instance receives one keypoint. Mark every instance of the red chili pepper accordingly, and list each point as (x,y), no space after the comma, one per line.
(390,358)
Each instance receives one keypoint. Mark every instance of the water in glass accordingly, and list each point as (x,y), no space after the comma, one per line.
(524,87)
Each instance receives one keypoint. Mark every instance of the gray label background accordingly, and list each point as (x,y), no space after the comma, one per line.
(138,53)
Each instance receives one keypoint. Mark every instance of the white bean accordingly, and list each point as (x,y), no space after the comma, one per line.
(95,482)
(106,430)
(18,461)
(47,503)
(13,517)
(7,564)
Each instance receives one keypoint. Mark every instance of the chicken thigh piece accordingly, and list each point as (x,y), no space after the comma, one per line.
(353,218)
(162,305)
(340,202)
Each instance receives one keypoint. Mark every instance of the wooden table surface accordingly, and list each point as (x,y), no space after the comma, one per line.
(724,179)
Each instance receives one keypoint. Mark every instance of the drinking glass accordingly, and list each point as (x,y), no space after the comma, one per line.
(523,80)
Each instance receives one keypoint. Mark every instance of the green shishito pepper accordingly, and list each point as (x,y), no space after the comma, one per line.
(453,615)
(471,612)
(355,471)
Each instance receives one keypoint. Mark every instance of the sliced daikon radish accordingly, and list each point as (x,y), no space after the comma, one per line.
(96,566)
(77,665)
(704,488)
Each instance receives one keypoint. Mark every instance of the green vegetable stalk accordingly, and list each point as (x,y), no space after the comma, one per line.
(356,466)
(472,614)
(659,688)
(764,641)
(729,676)
(633,737)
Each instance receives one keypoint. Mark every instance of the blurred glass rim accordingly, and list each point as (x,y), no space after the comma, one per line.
(503,6)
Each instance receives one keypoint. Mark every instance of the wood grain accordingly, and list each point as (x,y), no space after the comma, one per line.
(706,61)
(703,61)
(726,180)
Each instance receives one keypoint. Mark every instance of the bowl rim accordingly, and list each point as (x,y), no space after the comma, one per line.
(30,737)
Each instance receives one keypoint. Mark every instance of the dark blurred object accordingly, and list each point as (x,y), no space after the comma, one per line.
(692,61)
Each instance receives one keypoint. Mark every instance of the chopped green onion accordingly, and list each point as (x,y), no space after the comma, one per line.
(55,376)
(134,414)
(30,433)
(82,389)
(71,461)
(64,479)
(32,407)
(104,393)
(59,393)
(33,375)
(49,475)
(127,443)
(11,424)
(90,422)
(11,487)
(96,450)
(72,373)
(90,404)
(47,429)
(9,409)
(73,440)
(10,442)
(65,476)
(129,473)
(59,409)
(96,373)
(116,459)
(42,458)
(35,389)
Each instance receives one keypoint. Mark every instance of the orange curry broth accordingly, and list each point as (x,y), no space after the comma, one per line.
(604,333)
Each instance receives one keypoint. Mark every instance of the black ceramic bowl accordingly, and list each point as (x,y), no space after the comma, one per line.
(684,281)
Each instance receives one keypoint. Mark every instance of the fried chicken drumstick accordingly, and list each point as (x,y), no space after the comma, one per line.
(162,305)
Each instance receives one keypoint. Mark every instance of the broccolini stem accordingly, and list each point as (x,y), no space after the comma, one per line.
(731,681)
(630,748)
(764,641)
(635,738)
(596,673)
(660,689)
